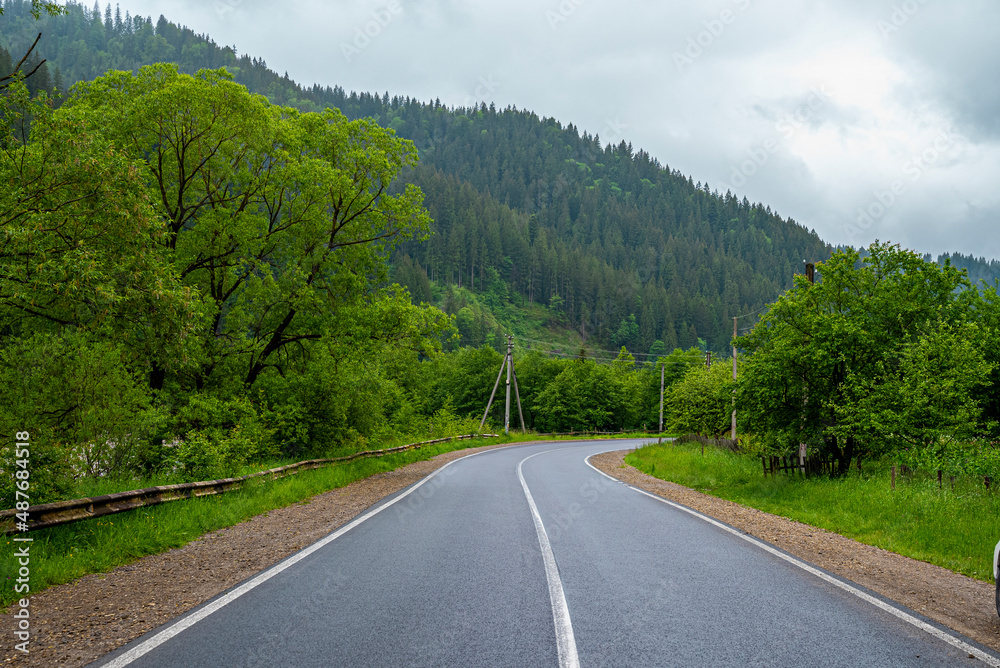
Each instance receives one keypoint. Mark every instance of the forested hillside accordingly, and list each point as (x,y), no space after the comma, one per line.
(184,290)
(627,250)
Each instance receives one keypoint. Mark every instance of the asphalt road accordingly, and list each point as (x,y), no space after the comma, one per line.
(527,556)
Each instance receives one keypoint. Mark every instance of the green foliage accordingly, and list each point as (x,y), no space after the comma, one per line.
(584,396)
(218,437)
(173,242)
(79,238)
(702,401)
(608,230)
(463,380)
(87,414)
(277,219)
(872,356)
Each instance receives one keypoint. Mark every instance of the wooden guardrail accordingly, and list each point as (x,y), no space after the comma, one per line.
(64,512)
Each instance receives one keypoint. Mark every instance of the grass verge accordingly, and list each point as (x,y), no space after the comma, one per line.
(953,528)
(64,553)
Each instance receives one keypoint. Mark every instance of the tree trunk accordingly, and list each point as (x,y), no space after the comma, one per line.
(845,454)
(157,374)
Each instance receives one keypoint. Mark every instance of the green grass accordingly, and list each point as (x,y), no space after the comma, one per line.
(956,529)
(64,553)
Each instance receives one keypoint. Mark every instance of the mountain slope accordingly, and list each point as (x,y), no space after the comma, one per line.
(625,249)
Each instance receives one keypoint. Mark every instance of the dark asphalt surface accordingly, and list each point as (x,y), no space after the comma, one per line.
(452,575)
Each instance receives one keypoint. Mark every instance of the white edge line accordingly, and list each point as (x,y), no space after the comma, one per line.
(187,622)
(565,640)
(882,605)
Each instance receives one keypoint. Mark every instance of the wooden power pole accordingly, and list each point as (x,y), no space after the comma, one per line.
(659,438)
(735,332)
(506,405)
(508,363)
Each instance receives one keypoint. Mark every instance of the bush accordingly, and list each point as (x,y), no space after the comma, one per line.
(87,413)
(220,437)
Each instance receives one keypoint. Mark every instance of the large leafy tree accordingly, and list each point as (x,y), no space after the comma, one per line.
(701,402)
(279,220)
(86,296)
(79,237)
(843,363)
(584,396)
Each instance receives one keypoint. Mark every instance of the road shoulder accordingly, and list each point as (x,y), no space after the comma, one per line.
(951,599)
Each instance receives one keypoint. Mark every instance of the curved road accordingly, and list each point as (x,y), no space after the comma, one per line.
(528,556)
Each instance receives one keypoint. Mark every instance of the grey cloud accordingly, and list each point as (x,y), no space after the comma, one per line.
(599,64)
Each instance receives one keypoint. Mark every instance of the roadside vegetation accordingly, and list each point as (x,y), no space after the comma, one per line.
(951,526)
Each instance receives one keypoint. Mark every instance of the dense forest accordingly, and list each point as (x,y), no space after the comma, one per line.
(628,250)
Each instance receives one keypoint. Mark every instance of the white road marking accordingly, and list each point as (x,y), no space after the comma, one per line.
(187,622)
(565,640)
(988,659)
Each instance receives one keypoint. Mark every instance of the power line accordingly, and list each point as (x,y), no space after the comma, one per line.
(551,344)
(747,315)
(603,358)
(589,354)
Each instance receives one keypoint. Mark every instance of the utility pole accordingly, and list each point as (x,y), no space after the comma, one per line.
(659,438)
(489,403)
(735,332)
(506,408)
(803,448)
(508,363)
(517,393)
(708,360)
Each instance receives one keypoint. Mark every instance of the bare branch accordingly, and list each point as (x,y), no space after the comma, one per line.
(9,79)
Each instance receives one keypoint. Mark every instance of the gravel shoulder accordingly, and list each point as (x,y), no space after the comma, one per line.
(76,623)
(954,600)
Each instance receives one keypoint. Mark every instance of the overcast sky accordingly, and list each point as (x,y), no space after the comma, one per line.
(863,119)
